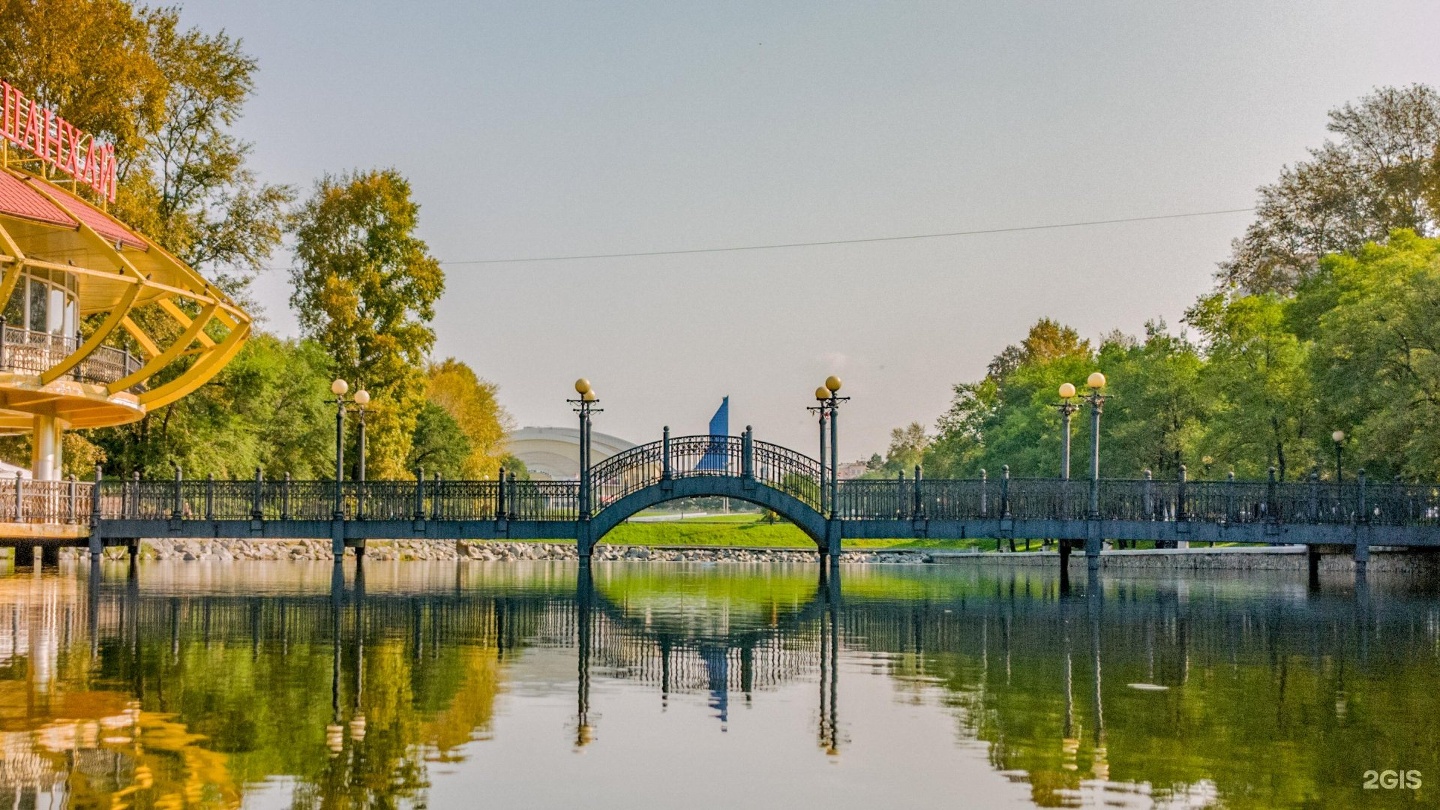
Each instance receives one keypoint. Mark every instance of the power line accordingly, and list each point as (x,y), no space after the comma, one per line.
(860,241)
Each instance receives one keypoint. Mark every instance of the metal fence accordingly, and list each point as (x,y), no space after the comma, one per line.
(260,499)
(1228,502)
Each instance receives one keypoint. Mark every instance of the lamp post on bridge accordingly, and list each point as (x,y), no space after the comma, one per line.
(1095,382)
(584,406)
(1339,438)
(828,398)
(361,398)
(1067,408)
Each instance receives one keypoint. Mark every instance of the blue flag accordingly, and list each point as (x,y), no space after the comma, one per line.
(714,459)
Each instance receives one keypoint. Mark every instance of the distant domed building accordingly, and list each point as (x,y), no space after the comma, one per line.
(553,453)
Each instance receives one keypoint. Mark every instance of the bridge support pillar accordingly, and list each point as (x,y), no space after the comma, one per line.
(584,541)
(50,556)
(337,540)
(833,535)
(95,543)
(1362,548)
(1093,544)
(1064,547)
(1312,564)
(24,556)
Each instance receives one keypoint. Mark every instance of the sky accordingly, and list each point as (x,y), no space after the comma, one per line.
(544,129)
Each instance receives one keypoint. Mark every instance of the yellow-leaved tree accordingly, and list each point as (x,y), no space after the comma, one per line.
(473,404)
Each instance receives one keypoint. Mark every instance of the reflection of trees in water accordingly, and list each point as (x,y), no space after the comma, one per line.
(1174,693)
(352,693)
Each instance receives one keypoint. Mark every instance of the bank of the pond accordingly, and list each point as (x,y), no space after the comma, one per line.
(389,550)
(1245,558)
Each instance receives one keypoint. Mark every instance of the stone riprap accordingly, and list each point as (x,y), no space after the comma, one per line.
(383,551)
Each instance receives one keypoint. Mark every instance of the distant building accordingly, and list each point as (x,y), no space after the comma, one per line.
(553,453)
(850,469)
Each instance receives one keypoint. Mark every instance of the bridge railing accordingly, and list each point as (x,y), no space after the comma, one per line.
(1230,502)
(59,502)
(700,456)
(315,500)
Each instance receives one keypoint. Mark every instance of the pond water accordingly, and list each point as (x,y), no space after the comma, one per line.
(709,686)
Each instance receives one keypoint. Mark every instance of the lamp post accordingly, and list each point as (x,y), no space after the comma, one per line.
(1067,408)
(362,398)
(828,401)
(1339,438)
(584,406)
(822,395)
(1095,382)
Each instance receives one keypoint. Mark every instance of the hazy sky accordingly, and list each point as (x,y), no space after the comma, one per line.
(542,129)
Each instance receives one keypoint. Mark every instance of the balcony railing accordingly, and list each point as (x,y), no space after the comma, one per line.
(31,352)
(54,502)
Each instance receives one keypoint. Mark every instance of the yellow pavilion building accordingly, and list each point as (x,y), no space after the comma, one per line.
(94,315)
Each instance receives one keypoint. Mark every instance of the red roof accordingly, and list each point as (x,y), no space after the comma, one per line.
(19,198)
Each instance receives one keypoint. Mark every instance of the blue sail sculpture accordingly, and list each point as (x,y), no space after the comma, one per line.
(715,458)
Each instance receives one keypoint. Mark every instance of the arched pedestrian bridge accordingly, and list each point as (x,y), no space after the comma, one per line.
(1081,513)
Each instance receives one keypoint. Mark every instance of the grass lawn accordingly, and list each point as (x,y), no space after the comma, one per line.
(746,530)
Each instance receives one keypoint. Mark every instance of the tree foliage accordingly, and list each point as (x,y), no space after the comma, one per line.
(267,409)
(166,97)
(365,288)
(1382,173)
(476,410)
(1268,380)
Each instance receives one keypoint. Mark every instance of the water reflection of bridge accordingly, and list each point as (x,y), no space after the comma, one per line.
(981,638)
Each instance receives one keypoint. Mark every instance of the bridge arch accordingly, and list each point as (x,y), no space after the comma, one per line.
(767,475)
(787,506)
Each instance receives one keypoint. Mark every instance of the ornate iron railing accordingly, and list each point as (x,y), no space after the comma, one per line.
(33,352)
(1222,502)
(705,456)
(260,499)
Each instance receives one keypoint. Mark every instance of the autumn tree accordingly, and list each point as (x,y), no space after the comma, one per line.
(166,98)
(473,404)
(365,288)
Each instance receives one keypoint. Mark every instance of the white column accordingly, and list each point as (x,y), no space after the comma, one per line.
(45,453)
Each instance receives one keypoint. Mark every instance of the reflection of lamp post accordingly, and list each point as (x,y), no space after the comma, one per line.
(1339,438)
(1095,382)
(1067,407)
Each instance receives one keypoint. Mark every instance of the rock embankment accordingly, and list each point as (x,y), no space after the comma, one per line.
(388,550)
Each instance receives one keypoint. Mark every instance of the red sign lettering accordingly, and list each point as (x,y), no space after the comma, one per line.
(57,143)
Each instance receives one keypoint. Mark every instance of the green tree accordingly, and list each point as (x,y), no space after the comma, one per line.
(365,288)
(1155,406)
(907,449)
(266,409)
(440,444)
(1374,320)
(1382,173)
(1257,370)
(1008,417)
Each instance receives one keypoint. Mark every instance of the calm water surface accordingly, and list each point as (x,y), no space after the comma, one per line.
(660,685)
